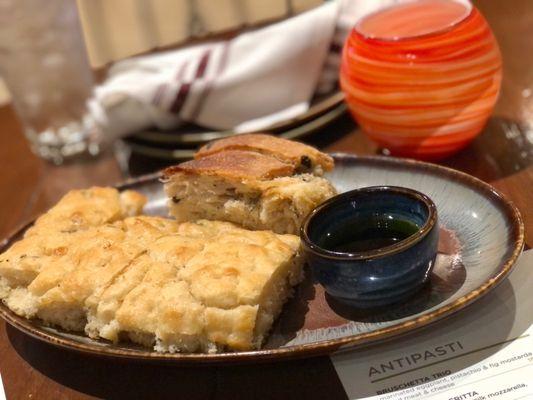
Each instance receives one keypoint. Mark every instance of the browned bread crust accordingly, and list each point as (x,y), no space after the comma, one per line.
(295,153)
(234,164)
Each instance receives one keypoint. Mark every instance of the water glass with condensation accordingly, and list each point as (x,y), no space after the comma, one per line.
(44,64)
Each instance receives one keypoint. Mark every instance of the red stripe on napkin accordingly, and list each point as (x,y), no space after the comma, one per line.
(179,101)
(185,88)
(203,64)
(209,85)
(162,88)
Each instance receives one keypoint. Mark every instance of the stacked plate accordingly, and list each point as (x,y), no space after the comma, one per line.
(180,144)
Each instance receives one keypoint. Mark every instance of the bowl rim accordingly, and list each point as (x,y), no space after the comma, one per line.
(381,252)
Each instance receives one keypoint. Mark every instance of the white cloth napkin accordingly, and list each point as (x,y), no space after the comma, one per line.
(249,82)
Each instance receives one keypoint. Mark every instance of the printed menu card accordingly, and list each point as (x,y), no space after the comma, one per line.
(483,352)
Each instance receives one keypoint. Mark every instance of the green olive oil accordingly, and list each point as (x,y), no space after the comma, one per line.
(371,233)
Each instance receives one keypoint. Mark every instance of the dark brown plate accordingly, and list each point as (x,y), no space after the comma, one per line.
(322,110)
(169,150)
(482,236)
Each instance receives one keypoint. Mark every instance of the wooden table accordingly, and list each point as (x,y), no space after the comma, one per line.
(502,155)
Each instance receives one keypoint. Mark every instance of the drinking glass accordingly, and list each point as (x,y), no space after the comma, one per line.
(44,64)
(422,77)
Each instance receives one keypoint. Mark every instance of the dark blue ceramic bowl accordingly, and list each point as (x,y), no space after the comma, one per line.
(380,276)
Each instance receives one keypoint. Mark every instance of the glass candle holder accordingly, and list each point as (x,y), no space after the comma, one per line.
(422,77)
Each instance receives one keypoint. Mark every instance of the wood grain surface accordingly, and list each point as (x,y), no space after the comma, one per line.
(502,155)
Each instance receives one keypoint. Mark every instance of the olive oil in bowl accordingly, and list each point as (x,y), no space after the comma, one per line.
(371,233)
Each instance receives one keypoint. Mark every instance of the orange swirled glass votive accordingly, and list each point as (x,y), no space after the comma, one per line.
(421,77)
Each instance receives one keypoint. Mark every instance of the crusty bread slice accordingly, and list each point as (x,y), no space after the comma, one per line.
(55,231)
(304,158)
(234,164)
(254,190)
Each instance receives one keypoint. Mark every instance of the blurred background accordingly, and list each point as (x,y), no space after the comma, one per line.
(40,59)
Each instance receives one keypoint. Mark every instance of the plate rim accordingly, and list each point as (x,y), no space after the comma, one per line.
(303,350)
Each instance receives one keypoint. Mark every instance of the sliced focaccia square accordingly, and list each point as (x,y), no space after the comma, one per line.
(70,282)
(254,190)
(209,286)
(56,231)
(194,286)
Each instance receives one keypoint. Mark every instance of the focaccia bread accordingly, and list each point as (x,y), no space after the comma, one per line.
(209,286)
(83,208)
(256,190)
(303,158)
(199,286)
(55,230)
